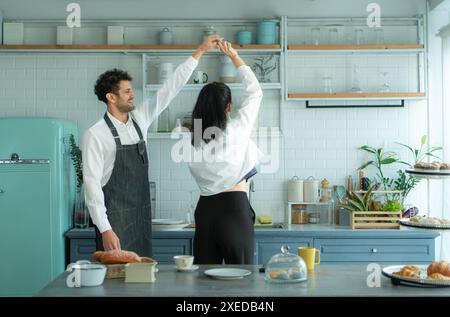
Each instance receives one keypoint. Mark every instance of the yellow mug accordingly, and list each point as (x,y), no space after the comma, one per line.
(308,254)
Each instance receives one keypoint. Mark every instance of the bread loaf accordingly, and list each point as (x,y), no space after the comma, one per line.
(441,267)
(97,255)
(119,257)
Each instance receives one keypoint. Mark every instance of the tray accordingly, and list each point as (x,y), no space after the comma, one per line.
(423,281)
(407,222)
(429,173)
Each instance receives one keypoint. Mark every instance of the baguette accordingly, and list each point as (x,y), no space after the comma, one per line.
(119,257)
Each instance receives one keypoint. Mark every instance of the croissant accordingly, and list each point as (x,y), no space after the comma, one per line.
(438,276)
(411,268)
(441,267)
(408,273)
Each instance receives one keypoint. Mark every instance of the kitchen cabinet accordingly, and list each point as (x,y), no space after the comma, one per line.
(337,244)
(375,250)
(82,245)
(266,248)
(336,62)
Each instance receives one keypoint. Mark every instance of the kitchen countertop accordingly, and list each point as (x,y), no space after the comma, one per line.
(327,280)
(309,230)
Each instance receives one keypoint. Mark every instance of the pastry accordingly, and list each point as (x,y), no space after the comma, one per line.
(438,276)
(119,257)
(445,166)
(409,271)
(441,267)
(435,165)
(422,165)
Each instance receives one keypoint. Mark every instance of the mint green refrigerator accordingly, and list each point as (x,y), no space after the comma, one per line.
(37,189)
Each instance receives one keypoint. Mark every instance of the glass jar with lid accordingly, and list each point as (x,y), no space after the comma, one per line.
(299,214)
(286,267)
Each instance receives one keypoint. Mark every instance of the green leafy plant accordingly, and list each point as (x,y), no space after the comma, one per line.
(421,153)
(359,203)
(75,154)
(380,158)
(404,182)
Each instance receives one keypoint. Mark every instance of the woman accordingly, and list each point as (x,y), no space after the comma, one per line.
(224,218)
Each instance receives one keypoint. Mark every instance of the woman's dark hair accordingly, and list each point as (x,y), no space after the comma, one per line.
(109,82)
(211,108)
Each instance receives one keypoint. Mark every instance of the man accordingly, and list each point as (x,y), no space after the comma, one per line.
(115,162)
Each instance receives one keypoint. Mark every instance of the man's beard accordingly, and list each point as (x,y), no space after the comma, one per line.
(125,108)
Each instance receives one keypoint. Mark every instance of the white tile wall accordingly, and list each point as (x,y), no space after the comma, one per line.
(317,142)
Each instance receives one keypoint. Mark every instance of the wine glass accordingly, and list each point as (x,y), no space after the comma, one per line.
(355,86)
(385,86)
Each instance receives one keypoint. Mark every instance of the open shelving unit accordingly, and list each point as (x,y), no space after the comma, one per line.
(402,37)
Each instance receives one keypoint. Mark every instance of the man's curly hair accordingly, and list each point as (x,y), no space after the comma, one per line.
(109,82)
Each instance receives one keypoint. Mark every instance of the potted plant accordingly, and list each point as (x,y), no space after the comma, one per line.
(368,213)
(80,213)
(404,183)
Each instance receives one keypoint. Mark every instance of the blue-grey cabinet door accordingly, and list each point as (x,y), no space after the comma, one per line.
(267,247)
(165,249)
(376,250)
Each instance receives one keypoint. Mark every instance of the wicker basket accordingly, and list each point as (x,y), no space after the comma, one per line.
(118,270)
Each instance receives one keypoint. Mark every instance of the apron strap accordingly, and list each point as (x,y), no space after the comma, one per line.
(113,130)
(137,129)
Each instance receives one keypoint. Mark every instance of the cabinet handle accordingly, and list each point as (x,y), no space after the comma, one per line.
(374,250)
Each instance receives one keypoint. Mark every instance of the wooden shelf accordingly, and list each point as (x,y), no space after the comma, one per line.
(399,95)
(237,86)
(356,47)
(138,47)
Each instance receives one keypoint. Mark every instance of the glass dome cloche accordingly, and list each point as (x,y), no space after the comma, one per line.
(286,267)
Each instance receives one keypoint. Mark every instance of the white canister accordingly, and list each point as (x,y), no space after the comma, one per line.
(295,189)
(165,70)
(311,190)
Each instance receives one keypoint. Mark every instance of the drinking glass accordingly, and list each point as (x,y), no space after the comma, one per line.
(359,34)
(355,86)
(379,35)
(384,78)
(333,36)
(327,85)
(315,35)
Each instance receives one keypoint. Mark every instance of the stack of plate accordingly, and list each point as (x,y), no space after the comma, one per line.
(168,224)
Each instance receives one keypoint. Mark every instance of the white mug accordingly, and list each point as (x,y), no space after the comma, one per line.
(200,77)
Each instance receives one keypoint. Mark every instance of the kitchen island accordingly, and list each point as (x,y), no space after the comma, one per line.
(327,280)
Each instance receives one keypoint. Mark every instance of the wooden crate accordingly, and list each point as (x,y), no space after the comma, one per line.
(375,219)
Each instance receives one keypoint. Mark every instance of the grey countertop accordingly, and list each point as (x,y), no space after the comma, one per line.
(309,230)
(327,280)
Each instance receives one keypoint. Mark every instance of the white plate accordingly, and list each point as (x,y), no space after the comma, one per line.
(169,227)
(407,222)
(227,273)
(423,280)
(167,221)
(189,269)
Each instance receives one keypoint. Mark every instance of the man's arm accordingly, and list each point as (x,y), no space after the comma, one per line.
(152,107)
(92,175)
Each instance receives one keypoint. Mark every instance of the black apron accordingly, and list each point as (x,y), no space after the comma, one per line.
(127,196)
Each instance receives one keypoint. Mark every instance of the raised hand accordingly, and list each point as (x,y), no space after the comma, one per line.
(227,49)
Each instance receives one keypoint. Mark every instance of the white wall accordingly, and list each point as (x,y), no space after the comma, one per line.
(320,142)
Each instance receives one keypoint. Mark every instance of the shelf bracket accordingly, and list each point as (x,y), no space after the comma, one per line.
(401,105)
